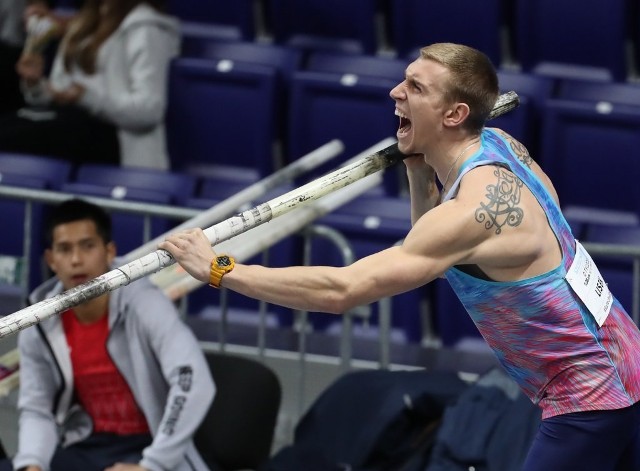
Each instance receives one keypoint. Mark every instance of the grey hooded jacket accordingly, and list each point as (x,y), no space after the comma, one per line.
(157,354)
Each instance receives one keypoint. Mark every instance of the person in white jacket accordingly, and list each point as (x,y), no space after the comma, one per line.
(118,383)
(106,94)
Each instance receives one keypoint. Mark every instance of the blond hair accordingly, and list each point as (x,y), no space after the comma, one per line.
(473,79)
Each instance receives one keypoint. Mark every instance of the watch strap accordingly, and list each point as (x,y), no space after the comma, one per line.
(220,266)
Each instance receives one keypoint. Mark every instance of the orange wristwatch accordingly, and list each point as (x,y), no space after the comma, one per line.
(220,265)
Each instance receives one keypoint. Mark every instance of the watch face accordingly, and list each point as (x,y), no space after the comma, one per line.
(223,261)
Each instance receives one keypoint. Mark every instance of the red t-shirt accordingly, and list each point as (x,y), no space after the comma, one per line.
(99,386)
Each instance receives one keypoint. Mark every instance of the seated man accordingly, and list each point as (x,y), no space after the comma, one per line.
(117,383)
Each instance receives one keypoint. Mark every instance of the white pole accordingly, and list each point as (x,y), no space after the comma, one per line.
(217,233)
(176,283)
(227,207)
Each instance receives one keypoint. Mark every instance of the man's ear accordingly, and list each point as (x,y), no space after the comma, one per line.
(456,114)
(48,257)
(111,251)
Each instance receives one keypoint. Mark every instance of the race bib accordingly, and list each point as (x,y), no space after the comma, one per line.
(585,280)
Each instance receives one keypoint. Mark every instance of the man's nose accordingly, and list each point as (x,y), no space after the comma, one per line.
(76,255)
(396,92)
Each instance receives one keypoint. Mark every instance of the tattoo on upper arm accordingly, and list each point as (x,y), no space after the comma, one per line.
(503,199)
(519,149)
(521,152)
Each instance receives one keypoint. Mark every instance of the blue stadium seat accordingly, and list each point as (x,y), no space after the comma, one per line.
(14,212)
(524,122)
(53,172)
(221,113)
(616,271)
(285,61)
(571,39)
(35,172)
(577,137)
(356,110)
(217,189)
(372,223)
(581,217)
(594,91)
(357,64)
(418,23)
(128,228)
(178,187)
(193,32)
(231,20)
(330,25)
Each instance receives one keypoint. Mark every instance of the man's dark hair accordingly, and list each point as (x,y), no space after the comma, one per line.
(78,210)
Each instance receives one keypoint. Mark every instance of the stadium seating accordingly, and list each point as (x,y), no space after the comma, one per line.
(52,171)
(134,184)
(523,123)
(34,172)
(594,91)
(177,186)
(357,64)
(577,137)
(12,242)
(570,39)
(417,23)
(285,61)
(130,231)
(221,113)
(616,271)
(330,25)
(225,20)
(356,110)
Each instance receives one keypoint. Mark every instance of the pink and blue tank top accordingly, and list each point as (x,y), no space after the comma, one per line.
(540,330)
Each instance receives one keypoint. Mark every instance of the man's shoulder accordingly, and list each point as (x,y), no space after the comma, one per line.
(142,297)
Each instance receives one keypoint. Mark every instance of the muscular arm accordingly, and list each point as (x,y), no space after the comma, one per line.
(425,254)
(494,222)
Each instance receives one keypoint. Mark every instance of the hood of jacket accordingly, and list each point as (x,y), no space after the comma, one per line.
(145,14)
(118,299)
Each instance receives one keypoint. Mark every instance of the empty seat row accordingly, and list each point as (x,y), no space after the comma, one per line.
(532,34)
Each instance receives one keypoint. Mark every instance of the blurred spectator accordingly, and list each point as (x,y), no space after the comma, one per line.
(12,37)
(105,98)
(118,378)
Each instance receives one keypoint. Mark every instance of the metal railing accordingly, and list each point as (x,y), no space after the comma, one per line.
(149,210)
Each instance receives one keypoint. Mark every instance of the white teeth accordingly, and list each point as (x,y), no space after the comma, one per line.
(400,113)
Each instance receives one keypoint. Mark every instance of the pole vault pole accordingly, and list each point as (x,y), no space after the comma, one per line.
(220,232)
(176,282)
(227,207)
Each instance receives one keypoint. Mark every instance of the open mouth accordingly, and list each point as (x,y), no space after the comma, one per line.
(405,123)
